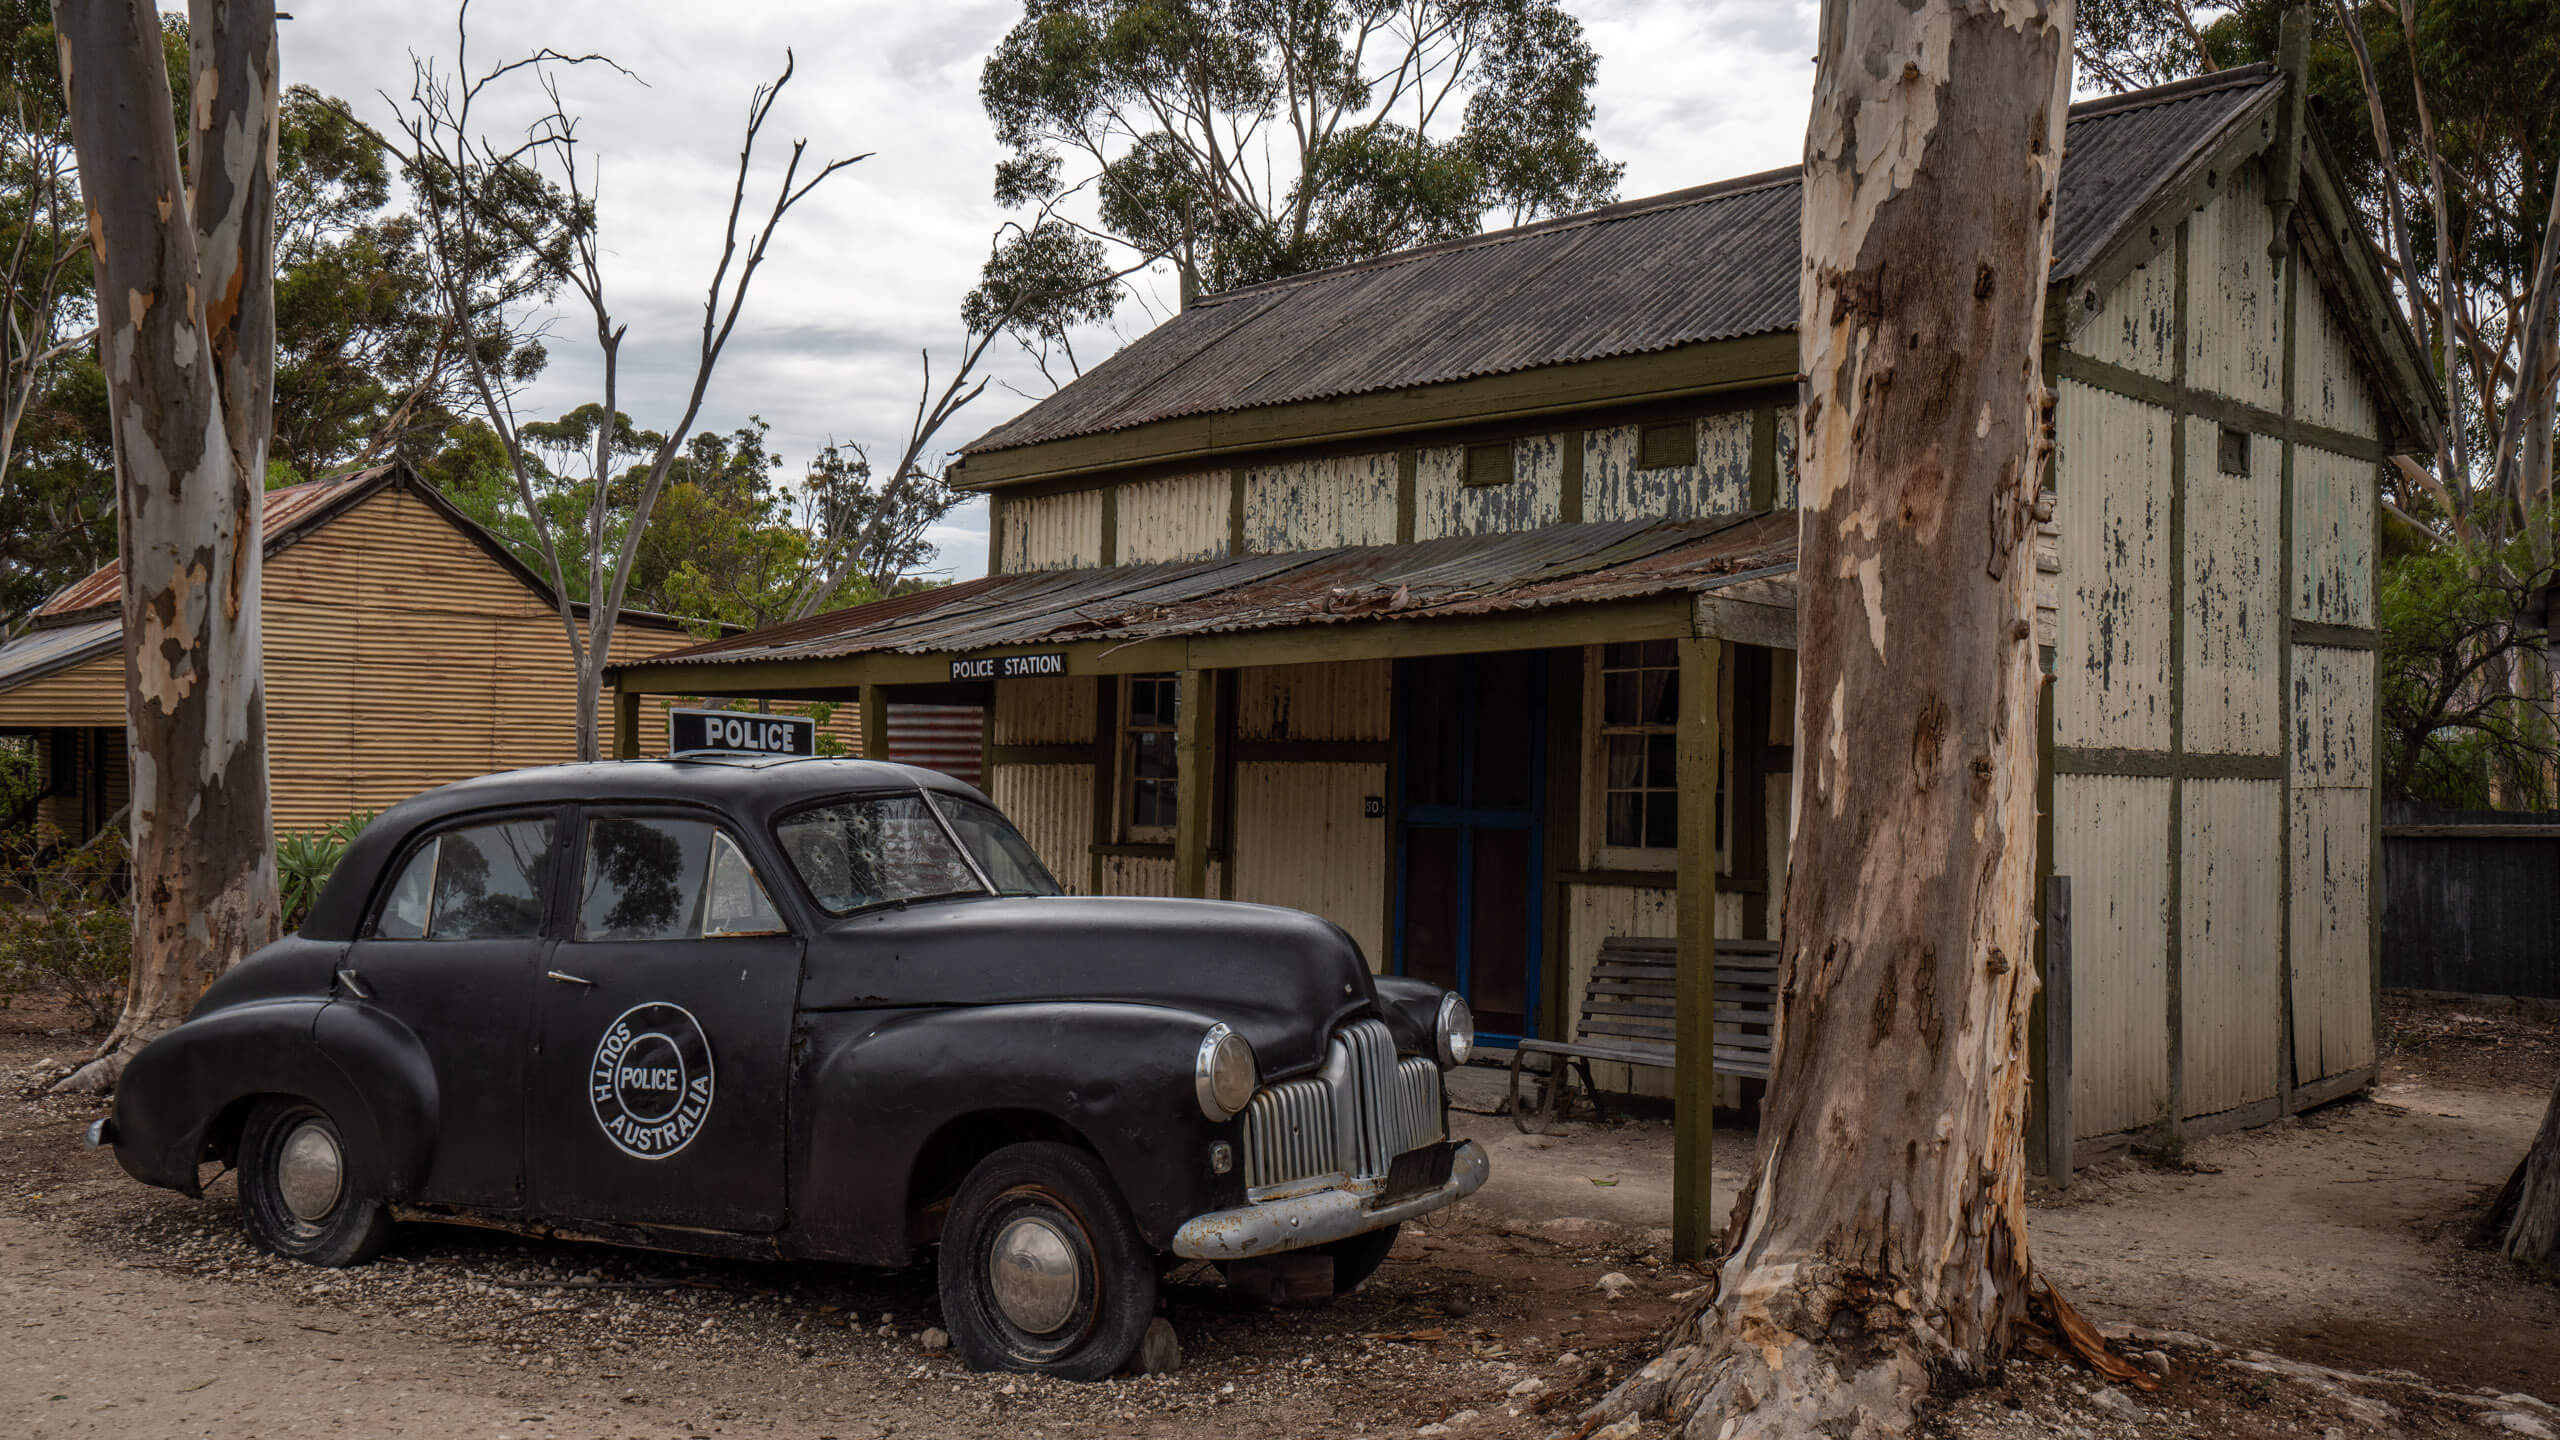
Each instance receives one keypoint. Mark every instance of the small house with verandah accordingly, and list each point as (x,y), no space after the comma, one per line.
(405,647)
(1449,595)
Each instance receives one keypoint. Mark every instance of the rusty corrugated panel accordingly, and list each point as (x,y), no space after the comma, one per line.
(1474,575)
(1717,262)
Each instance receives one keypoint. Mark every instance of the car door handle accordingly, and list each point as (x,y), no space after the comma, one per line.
(565,976)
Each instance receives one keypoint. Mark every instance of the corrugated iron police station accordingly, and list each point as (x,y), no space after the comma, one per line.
(1450,596)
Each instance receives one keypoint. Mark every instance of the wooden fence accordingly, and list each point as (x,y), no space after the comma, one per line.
(2471,901)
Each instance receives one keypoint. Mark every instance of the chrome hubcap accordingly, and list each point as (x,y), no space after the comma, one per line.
(310,1171)
(1033,1275)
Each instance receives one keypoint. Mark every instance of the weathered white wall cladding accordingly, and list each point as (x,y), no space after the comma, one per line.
(2109,836)
(1052,532)
(1445,504)
(2232,612)
(1315,504)
(2329,386)
(2112,466)
(2235,304)
(1177,517)
(2332,841)
(1719,483)
(2231,996)
(2333,498)
(2137,325)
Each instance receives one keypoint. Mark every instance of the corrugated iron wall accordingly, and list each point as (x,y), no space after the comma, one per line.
(1718,483)
(2333,841)
(1178,517)
(86,694)
(2329,387)
(1052,805)
(2471,901)
(1314,504)
(1445,504)
(2137,322)
(1345,700)
(2235,310)
(1051,532)
(2231,996)
(2110,836)
(1058,711)
(1302,841)
(2231,607)
(2111,454)
(2333,498)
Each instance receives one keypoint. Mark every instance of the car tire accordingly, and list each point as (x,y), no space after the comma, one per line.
(1359,1257)
(1042,1270)
(299,1192)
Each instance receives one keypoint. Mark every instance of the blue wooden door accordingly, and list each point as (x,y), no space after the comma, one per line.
(1471,770)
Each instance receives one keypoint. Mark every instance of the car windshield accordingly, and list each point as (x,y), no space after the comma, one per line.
(887,849)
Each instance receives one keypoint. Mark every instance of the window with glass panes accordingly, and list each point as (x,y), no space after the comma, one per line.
(1639,704)
(1146,757)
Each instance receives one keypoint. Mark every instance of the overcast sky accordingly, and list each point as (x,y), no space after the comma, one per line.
(870,270)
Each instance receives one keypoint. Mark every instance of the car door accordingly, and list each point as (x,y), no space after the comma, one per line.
(453,951)
(665,1018)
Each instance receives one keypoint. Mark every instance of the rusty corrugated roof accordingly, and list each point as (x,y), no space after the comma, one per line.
(39,653)
(286,510)
(1471,575)
(1717,262)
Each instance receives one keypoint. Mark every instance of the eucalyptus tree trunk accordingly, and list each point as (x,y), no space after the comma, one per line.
(186,334)
(2533,1236)
(1882,1238)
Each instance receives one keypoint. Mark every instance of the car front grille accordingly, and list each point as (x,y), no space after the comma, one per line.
(1349,1120)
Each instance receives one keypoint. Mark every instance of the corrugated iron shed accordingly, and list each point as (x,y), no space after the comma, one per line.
(1468,576)
(286,511)
(39,653)
(1717,262)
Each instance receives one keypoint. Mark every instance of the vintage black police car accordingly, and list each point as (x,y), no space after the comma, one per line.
(806,1008)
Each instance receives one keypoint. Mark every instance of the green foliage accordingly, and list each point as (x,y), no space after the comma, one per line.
(1245,142)
(306,859)
(2455,732)
(21,777)
(67,934)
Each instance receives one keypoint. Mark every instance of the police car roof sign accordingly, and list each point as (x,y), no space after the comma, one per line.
(739,732)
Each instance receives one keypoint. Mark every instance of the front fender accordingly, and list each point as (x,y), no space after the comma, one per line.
(878,1088)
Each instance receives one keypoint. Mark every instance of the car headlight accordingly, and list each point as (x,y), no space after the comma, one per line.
(1224,1075)
(1457,1035)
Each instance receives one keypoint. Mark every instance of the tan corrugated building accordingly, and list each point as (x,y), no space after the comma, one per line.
(404,648)
(1388,592)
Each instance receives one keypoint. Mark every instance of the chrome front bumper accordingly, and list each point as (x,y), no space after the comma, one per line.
(1322,1216)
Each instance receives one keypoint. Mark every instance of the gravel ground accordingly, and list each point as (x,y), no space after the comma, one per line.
(126,1311)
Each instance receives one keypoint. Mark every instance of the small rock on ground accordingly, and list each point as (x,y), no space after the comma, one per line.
(1615,1285)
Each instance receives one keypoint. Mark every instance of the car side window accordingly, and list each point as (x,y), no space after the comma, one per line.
(478,882)
(655,878)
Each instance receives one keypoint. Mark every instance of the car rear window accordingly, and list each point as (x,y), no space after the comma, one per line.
(874,850)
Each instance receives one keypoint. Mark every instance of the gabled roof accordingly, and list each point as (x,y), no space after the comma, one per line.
(1718,262)
(84,619)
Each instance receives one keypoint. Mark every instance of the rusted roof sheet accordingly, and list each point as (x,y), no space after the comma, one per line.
(39,653)
(1717,262)
(1430,579)
(286,510)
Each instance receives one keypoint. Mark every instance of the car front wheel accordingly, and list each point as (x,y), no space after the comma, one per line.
(299,1194)
(1042,1270)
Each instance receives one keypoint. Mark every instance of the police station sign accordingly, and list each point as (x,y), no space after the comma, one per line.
(1011,667)
(739,732)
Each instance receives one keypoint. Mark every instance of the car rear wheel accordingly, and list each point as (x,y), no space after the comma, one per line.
(299,1193)
(1042,1270)
(1359,1257)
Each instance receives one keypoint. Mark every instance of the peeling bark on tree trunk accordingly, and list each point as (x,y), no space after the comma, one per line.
(186,334)
(1882,1237)
(2533,1236)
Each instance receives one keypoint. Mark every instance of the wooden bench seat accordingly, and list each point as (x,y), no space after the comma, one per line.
(1630,1015)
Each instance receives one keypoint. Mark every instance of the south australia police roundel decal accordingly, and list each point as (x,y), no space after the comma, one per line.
(651,1080)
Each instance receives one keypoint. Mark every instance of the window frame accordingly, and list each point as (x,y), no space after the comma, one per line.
(572,903)
(1598,853)
(387,880)
(1124,753)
